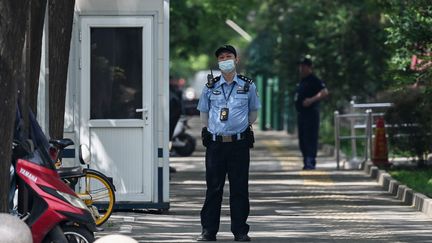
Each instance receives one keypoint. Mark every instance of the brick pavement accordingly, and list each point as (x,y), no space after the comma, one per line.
(287,204)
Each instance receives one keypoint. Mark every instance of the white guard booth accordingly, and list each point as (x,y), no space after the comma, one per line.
(117,98)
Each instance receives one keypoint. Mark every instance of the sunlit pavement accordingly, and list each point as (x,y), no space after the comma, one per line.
(287,204)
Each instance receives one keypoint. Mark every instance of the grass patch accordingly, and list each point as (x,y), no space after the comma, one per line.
(418,180)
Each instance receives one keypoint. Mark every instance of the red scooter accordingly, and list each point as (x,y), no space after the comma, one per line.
(52,210)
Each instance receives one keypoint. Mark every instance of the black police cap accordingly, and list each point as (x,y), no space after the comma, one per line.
(226,48)
(306,61)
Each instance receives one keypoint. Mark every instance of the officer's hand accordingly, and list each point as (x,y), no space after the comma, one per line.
(307,102)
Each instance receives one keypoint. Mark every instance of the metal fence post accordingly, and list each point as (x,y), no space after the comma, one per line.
(368,126)
(261,112)
(353,132)
(337,141)
(268,104)
(369,135)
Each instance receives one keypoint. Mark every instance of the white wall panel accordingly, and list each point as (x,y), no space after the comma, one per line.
(118,153)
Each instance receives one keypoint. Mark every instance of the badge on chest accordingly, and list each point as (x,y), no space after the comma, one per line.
(241,90)
(223,116)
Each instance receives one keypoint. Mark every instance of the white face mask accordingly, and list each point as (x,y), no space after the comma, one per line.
(227,65)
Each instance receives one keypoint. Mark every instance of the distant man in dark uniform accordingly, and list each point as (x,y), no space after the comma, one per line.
(175,104)
(309,92)
(228,106)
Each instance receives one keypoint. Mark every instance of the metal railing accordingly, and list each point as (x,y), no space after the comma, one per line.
(368,117)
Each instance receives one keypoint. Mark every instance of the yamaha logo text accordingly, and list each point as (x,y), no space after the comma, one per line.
(28,175)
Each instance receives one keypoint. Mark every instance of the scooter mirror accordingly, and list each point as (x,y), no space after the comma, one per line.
(85,155)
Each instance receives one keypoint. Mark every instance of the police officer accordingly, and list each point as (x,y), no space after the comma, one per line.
(309,92)
(228,106)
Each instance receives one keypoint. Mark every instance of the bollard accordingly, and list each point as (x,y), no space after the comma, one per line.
(14,230)
(116,239)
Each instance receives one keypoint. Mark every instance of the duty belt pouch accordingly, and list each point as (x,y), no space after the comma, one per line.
(250,137)
(206,137)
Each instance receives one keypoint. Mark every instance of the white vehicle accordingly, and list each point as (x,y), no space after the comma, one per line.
(192,93)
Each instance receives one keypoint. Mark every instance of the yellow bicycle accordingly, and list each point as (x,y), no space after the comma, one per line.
(97,192)
(94,188)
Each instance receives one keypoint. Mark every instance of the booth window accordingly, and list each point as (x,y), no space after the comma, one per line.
(116,73)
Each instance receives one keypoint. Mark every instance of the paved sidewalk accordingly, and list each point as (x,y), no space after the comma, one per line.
(287,204)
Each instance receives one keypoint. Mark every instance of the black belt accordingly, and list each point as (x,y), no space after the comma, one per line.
(229,138)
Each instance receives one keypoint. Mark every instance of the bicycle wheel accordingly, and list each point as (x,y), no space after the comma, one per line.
(97,191)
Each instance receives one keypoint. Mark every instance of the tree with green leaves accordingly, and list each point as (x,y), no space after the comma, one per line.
(198,27)
(409,36)
(409,33)
(359,48)
(345,39)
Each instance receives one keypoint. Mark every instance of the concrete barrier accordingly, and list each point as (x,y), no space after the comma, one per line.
(403,193)
(14,230)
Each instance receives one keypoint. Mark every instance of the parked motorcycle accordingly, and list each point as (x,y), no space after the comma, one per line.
(182,143)
(50,208)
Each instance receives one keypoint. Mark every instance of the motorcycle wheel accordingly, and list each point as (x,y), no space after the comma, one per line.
(75,234)
(189,148)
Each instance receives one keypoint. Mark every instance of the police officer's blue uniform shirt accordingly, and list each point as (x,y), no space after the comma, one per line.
(239,103)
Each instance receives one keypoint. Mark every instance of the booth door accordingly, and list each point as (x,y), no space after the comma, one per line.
(116,101)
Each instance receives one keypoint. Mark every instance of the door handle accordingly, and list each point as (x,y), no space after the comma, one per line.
(141,110)
(145,112)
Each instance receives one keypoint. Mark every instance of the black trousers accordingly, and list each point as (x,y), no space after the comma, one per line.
(222,159)
(308,129)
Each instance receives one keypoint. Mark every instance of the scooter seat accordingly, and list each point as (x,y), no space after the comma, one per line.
(68,172)
(61,143)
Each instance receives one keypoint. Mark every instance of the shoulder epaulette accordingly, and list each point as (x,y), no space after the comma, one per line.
(244,78)
(247,80)
(210,83)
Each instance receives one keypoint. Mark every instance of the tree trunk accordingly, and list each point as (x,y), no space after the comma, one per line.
(60,30)
(13,19)
(37,16)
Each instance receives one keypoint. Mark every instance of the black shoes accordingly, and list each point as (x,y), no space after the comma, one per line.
(308,167)
(242,238)
(206,237)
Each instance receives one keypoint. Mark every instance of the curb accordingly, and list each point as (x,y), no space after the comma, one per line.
(403,193)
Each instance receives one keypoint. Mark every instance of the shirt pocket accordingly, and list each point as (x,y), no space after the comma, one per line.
(241,99)
(217,100)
